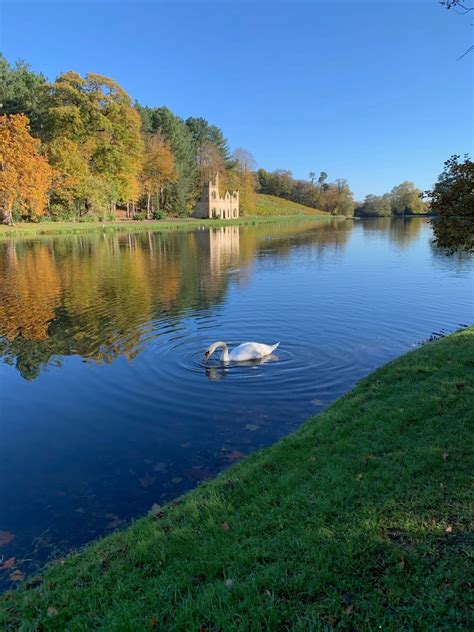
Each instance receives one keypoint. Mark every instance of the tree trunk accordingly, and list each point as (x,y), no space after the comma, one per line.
(7,217)
(148,204)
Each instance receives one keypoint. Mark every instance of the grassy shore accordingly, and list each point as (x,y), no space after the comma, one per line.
(358,521)
(269,209)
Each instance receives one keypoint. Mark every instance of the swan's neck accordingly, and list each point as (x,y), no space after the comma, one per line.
(225,351)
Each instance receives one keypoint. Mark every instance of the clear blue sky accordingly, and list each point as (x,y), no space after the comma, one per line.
(366,90)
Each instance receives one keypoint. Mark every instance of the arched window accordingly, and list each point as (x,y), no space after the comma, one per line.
(213,195)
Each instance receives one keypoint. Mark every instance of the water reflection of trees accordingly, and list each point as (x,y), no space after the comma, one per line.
(400,230)
(98,296)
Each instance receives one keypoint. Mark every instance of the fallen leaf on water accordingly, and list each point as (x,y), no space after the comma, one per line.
(147,480)
(448,529)
(359,477)
(234,456)
(176,479)
(159,467)
(6,537)
(52,611)
(16,576)
(198,472)
(8,563)
(226,526)
(114,520)
(252,427)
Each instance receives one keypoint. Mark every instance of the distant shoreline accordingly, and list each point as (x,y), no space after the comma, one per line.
(29,229)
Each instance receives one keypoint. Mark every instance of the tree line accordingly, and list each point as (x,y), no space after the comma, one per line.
(337,198)
(79,147)
(333,197)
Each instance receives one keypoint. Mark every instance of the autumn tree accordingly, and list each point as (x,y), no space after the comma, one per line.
(375,206)
(159,170)
(209,161)
(95,142)
(452,198)
(25,175)
(245,182)
(179,196)
(405,198)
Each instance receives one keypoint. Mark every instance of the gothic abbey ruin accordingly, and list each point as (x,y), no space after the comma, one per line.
(211,205)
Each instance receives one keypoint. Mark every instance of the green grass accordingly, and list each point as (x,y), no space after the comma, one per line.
(359,521)
(268,205)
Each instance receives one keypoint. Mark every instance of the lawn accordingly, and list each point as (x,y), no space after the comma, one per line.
(268,205)
(361,520)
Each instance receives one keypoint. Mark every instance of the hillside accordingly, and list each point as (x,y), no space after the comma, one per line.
(272,205)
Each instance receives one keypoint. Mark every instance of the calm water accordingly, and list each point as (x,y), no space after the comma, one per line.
(106,406)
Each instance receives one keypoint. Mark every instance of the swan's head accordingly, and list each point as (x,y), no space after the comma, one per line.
(210,350)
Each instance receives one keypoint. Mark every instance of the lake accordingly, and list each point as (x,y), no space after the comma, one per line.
(106,404)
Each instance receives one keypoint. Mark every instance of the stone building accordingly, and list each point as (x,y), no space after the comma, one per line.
(212,205)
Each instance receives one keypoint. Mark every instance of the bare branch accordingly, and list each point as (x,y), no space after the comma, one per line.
(469,50)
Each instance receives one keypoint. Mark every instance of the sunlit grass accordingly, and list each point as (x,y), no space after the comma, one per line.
(361,520)
(268,205)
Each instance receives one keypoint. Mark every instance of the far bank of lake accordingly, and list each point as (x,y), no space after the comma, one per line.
(31,229)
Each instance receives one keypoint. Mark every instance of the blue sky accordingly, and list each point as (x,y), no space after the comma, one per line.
(366,90)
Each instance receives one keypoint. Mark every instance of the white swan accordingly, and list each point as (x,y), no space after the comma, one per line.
(245,351)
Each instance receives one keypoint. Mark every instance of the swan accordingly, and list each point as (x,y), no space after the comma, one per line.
(245,351)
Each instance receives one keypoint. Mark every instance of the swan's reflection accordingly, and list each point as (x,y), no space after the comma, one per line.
(220,371)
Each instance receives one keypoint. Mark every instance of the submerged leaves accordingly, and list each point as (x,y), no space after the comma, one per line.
(10,563)
(6,537)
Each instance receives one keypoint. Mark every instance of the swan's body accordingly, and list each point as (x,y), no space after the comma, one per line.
(242,353)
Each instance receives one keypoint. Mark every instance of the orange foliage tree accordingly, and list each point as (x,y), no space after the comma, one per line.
(159,170)
(25,175)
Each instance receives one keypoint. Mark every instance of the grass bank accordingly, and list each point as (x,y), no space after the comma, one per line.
(26,229)
(268,205)
(358,521)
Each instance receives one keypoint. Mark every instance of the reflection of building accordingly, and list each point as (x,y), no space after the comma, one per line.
(212,205)
(224,246)
(221,246)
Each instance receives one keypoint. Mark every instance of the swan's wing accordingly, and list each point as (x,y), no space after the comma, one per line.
(251,351)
